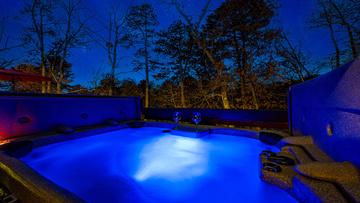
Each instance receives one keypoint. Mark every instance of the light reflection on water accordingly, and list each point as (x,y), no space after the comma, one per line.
(173,158)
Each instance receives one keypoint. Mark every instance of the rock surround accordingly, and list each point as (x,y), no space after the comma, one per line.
(315,177)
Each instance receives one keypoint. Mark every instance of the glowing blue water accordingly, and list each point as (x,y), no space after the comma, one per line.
(146,165)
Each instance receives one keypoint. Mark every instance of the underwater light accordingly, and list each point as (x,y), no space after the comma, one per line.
(173,158)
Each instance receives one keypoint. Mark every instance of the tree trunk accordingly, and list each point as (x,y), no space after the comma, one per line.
(242,91)
(146,65)
(346,24)
(114,59)
(245,71)
(112,81)
(60,78)
(58,84)
(329,21)
(182,94)
(253,93)
(240,70)
(43,83)
(336,46)
(173,100)
(39,30)
(42,50)
(147,87)
(58,87)
(48,87)
(61,74)
(352,41)
(147,75)
(110,90)
(219,68)
(61,71)
(224,96)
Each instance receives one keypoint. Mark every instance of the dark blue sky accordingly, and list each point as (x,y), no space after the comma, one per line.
(293,17)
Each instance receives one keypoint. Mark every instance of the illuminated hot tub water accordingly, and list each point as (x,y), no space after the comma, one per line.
(147,165)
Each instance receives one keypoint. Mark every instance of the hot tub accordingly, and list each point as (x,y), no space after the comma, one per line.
(151,164)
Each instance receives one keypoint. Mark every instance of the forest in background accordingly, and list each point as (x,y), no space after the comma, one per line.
(233,57)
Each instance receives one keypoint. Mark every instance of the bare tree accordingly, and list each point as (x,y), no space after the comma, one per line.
(292,61)
(4,44)
(112,38)
(3,38)
(339,17)
(324,18)
(116,38)
(176,44)
(40,13)
(195,33)
(73,28)
(346,16)
(141,22)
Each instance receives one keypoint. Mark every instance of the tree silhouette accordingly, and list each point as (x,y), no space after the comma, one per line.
(176,44)
(141,22)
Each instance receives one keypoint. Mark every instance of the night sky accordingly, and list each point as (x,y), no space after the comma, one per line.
(293,17)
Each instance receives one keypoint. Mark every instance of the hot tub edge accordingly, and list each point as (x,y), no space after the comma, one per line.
(27,185)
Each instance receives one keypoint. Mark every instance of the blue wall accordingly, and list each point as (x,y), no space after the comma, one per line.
(264,118)
(27,114)
(328,108)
